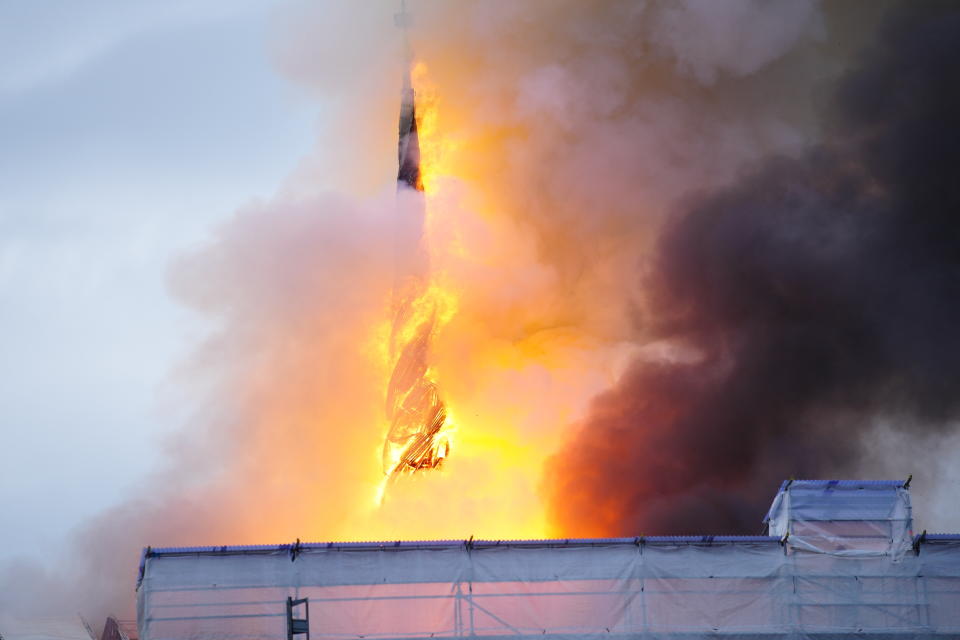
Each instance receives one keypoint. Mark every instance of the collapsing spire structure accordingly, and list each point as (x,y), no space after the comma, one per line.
(414,409)
(408,156)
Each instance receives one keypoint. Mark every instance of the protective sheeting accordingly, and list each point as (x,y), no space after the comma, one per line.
(841,562)
(843,517)
(652,588)
(13,627)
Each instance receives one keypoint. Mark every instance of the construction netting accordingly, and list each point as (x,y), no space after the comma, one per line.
(700,587)
(843,517)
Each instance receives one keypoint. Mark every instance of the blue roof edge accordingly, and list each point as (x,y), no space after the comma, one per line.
(296,547)
(936,537)
(847,484)
(470,543)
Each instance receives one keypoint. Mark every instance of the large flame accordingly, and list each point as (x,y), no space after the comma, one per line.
(509,384)
(517,347)
(417,437)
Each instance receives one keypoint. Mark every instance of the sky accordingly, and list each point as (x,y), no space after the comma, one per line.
(129,131)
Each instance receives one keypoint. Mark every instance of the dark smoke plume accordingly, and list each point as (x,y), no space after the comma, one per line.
(801,306)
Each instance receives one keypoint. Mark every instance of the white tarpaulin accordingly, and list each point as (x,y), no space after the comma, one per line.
(700,587)
(843,517)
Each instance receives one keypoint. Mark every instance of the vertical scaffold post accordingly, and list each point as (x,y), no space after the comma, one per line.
(298,626)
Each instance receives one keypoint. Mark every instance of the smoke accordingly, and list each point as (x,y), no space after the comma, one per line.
(808,303)
(292,351)
(571,134)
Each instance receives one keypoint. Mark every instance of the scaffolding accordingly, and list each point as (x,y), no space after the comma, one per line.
(833,578)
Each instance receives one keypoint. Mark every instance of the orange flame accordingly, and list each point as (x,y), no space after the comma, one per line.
(416,437)
(515,362)
(489,485)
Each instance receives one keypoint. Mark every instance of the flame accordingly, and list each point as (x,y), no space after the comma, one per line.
(417,435)
(515,360)
(499,390)
(434,147)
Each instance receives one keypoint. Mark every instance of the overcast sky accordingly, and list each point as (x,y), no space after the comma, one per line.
(127,131)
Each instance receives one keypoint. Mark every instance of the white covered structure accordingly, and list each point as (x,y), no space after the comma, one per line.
(841,561)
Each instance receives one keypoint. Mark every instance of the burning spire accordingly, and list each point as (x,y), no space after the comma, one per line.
(414,408)
(408,174)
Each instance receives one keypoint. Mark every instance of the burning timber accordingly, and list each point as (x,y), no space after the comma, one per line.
(414,408)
